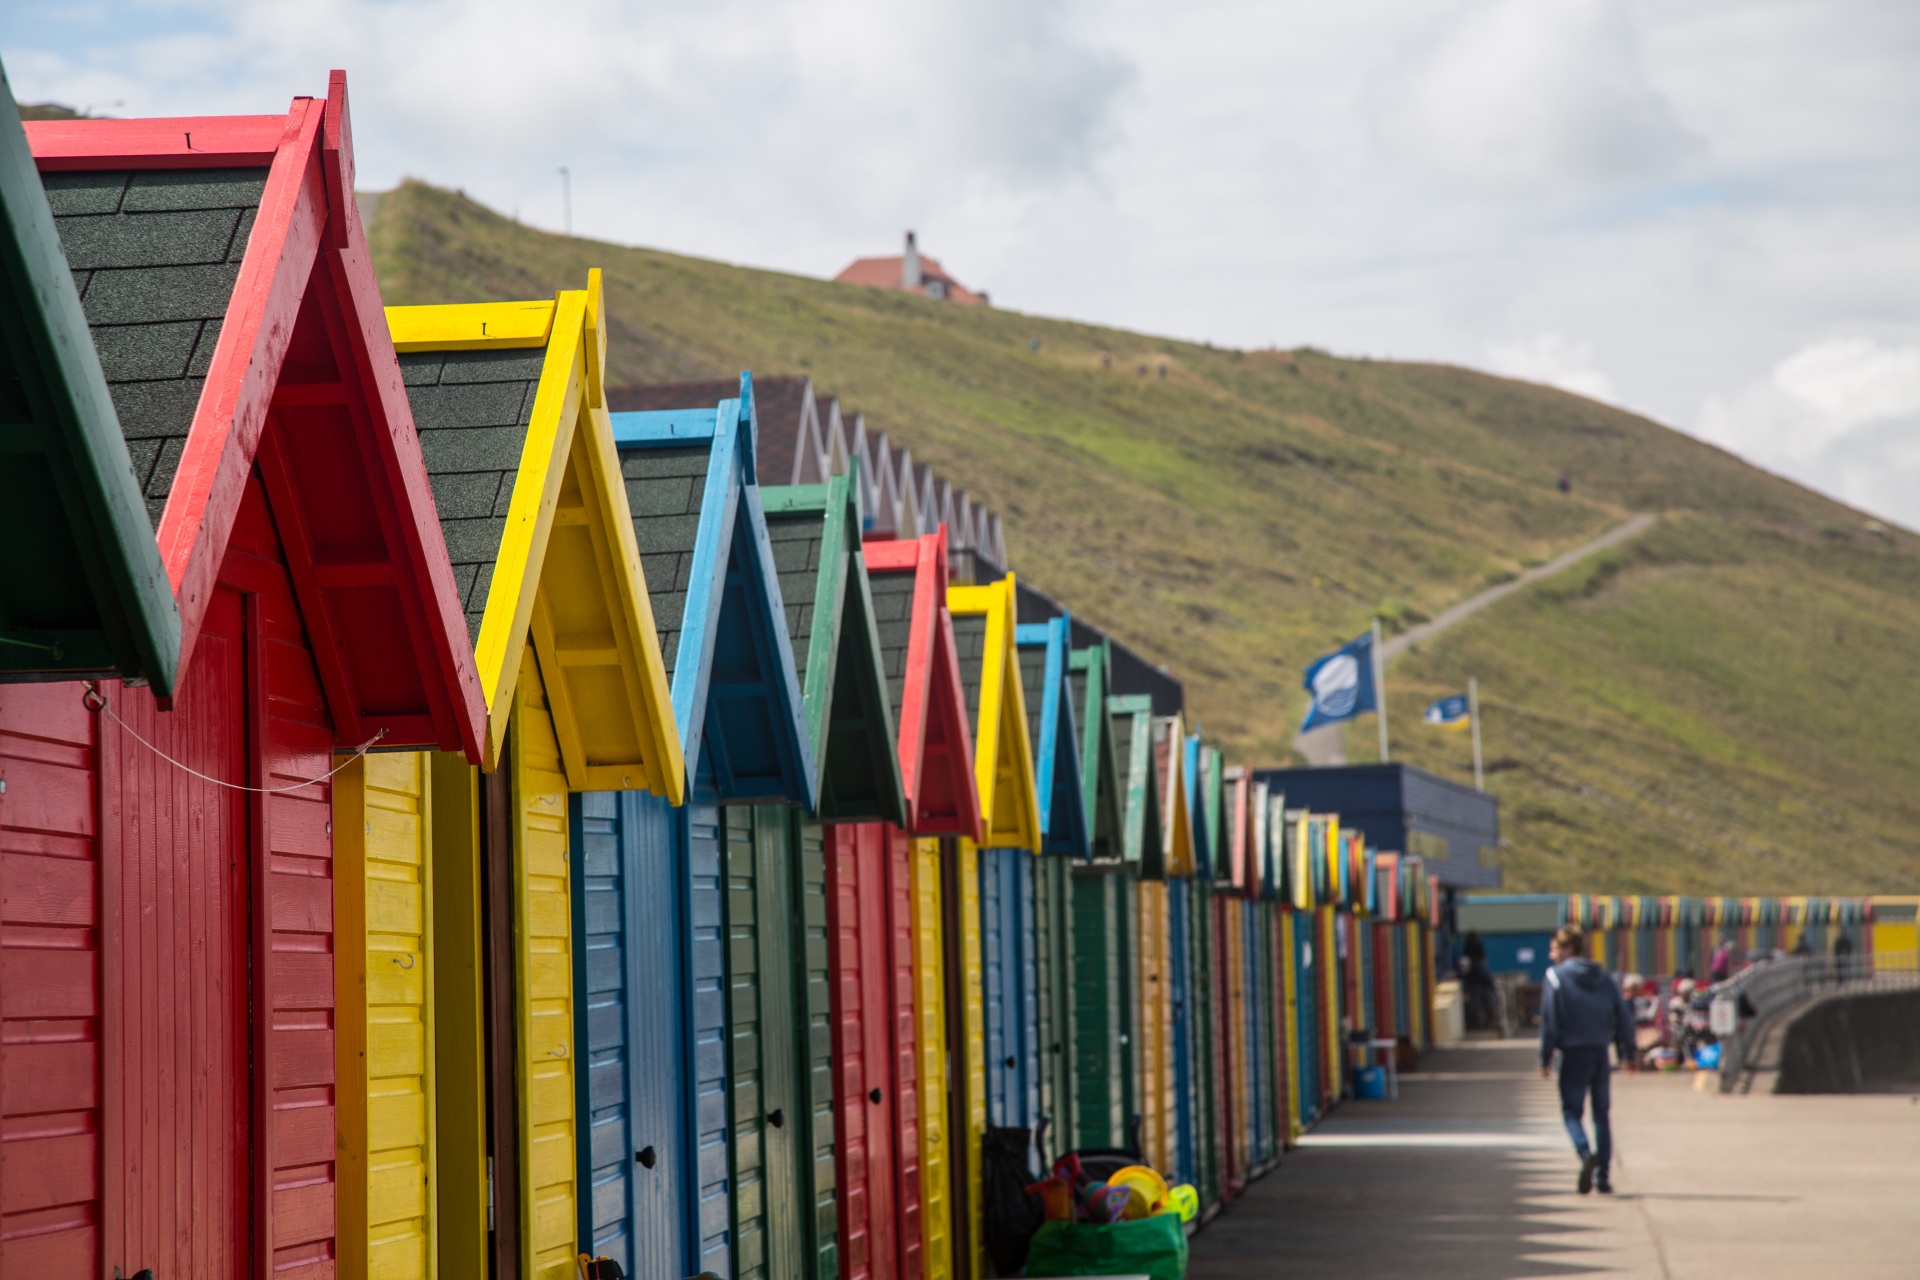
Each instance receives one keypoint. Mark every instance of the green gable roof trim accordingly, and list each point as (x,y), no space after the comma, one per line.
(83,591)
(850,693)
(1100,776)
(1141,840)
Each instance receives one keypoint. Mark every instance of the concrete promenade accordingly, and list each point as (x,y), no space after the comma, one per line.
(1470,1175)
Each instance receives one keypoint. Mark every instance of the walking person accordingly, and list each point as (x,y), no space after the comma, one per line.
(1581,1013)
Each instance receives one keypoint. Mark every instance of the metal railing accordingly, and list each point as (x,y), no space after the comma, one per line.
(1753,1003)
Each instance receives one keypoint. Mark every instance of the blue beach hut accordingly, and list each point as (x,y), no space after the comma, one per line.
(678,1092)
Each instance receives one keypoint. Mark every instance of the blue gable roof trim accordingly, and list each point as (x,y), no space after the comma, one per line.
(735,690)
(1063,817)
(1197,806)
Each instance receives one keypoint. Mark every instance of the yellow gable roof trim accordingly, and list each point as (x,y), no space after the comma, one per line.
(1176,817)
(1002,756)
(568,576)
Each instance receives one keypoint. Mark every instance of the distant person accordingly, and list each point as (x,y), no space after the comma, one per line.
(1803,949)
(1566,483)
(1581,1013)
(1721,966)
(1842,955)
(1483,1001)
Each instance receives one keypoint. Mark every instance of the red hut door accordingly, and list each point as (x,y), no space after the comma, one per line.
(875,1099)
(217,1000)
(178,863)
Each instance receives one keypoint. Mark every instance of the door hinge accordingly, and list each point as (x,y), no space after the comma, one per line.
(489,1193)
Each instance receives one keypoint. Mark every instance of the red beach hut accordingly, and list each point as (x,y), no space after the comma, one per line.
(901,1176)
(169,1007)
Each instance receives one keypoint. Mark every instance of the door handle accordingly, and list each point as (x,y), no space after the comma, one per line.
(1008,1064)
(645,1158)
(777,1117)
(874,1095)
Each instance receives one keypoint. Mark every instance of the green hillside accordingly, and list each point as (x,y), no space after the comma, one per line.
(1731,703)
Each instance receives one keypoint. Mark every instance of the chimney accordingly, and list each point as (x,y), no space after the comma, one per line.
(910,265)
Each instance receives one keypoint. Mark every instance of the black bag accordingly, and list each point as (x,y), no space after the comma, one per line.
(1011,1216)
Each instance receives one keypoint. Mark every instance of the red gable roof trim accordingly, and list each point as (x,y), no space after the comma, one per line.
(932,683)
(180,142)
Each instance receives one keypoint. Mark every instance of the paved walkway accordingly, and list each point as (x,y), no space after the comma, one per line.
(1470,1175)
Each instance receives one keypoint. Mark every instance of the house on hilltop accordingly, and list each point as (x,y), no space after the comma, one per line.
(912,272)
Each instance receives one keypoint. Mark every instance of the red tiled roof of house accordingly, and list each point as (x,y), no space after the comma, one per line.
(884,273)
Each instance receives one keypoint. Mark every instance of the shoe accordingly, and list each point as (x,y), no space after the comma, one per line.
(1601,1185)
(1587,1165)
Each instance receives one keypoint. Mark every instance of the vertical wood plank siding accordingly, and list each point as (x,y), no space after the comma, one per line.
(543,937)
(930,1015)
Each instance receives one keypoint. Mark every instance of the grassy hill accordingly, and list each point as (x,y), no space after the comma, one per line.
(1729,704)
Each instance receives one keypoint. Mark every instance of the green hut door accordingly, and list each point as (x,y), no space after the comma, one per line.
(1102,919)
(770,1023)
(1054,966)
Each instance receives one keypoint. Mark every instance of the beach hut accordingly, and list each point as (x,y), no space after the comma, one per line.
(996,956)
(1065,840)
(864,1133)
(842,1010)
(909,590)
(687,915)
(1206,999)
(1103,909)
(454,908)
(1143,844)
(180,832)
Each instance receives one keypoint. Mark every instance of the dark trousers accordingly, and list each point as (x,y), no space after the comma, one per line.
(1584,1071)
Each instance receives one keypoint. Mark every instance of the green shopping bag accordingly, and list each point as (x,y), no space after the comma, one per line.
(1154,1247)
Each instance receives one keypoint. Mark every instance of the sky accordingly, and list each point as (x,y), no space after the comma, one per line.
(1707,211)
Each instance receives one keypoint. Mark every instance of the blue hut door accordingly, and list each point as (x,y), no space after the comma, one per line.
(1009,981)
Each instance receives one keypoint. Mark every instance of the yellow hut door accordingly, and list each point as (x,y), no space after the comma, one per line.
(543,920)
(384,1034)
(930,1015)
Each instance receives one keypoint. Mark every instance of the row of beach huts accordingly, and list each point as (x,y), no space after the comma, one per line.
(456,816)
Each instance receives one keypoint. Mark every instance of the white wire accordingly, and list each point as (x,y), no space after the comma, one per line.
(92,694)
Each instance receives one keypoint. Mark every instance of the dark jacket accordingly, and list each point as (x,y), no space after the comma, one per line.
(1581,1008)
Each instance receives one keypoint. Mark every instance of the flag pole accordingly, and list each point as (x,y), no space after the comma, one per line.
(1380,690)
(1473,713)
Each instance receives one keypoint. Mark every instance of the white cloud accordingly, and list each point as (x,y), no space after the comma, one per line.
(1532,91)
(1842,415)
(1554,360)
(1688,190)
(1850,381)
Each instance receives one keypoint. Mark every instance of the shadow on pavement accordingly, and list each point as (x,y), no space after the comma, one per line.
(1467,1175)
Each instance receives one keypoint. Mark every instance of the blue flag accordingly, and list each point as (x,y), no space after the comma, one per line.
(1454,712)
(1341,683)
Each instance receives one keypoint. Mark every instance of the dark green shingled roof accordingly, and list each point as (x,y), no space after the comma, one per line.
(1033,681)
(796,539)
(893,617)
(472,409)
(665,488)
(970,644)
(155,254)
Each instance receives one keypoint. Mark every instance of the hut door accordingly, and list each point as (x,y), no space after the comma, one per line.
(1180,966)
(861,954)
(1054,967)
(763,996)
(180,854)
(638,1103)
(1007,938)
(1098,1046)
(931,1079)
